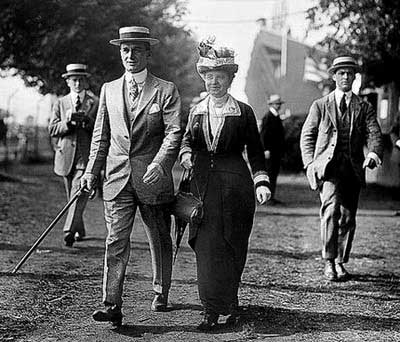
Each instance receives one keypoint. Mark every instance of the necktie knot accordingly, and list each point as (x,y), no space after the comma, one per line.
(343,104)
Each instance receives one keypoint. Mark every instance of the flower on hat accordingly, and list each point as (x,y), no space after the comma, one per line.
(207,49)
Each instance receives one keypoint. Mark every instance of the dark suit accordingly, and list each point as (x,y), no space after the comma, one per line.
(126,142)
(273,139)
(72,152)
(336,168)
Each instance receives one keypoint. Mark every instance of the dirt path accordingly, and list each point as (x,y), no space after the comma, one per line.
(283,295)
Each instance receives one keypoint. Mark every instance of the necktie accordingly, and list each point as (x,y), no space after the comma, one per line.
(133,90)
(343,105)
(78,104)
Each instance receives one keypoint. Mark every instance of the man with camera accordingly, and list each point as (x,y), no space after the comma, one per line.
(72,123)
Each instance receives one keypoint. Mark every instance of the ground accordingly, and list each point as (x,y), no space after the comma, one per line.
(283,296)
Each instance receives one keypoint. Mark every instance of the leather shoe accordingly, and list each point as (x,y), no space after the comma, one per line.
(160,302)
(69,239)
(342,273)
(232,320)
(209,322)
(111,314)
(330,272)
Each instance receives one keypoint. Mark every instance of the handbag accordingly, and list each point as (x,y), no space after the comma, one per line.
(186,206)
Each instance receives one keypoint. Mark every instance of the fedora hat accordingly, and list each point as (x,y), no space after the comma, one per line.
(275,99)
(215,58)
(76,69)
(134,34)
(344,62)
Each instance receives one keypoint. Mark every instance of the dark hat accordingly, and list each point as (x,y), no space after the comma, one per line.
(344,62)
(275,99)
(76,69)
(134,34)
(215,58)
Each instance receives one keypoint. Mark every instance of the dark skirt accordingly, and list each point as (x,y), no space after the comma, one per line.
(220,241)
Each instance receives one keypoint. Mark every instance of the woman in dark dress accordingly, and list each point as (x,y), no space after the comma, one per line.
(219,130)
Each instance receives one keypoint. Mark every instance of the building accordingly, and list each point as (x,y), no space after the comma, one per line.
(282,65)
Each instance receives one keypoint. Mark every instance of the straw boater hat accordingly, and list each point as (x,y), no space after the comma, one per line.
(76,69)
(213,58)
(133,34)
(344,62)
(275,99)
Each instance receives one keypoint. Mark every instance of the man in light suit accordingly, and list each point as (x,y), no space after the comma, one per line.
(336,130)
(137,136)
(71,123)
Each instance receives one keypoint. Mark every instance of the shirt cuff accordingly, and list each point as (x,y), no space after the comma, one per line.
(375,157)
(398,143)
(261,178)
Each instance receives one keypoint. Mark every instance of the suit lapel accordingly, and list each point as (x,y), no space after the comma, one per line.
(355,109)
(331,108)
(117,93)
(149,89)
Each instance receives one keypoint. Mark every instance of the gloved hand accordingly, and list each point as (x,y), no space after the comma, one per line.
(370,163)
(186,161)
(263,194)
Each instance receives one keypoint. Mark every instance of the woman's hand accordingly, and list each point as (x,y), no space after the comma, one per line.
(263,194)
(186,161)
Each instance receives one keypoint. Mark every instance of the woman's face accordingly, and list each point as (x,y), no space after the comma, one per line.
(217,82)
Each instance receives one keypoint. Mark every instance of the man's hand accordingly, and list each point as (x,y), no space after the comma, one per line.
(370,163)
(267,154)
(397,144)
(263,194)
(88,181)
(153,174)
(186,161)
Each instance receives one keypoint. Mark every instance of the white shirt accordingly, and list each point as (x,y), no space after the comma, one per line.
(139,77)
(339,96)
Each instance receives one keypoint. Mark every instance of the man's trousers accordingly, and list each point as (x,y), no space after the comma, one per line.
(74,221)
(339,194)
(119,215)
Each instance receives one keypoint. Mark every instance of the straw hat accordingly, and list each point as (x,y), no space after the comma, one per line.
(344,62)
(134,34)
(76,69)
(275,99)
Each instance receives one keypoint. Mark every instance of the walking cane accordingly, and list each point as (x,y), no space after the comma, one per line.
(48,229)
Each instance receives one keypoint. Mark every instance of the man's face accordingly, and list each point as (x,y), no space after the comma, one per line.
(134,56)
(277,106)
(344,78)
(76,83)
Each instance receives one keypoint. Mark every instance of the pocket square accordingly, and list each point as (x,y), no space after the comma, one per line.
(154,108)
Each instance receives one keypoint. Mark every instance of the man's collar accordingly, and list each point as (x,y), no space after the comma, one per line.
(139,77)
(339,94)
(81,94)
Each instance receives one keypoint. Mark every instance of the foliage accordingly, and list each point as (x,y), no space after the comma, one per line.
(368,29)
(38,38)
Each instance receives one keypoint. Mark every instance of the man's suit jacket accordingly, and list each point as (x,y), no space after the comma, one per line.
(319,136)
(272,134)
(70,136)
(154,136)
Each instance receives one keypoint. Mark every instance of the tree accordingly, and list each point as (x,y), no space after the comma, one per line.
(38,39)
(368,29)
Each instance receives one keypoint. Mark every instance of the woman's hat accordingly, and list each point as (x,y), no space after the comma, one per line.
(213,58)
(76,69)
(134,34)
(275,99)
(344,62)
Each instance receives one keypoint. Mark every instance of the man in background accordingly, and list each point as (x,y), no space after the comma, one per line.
(273,138)
(72,123)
